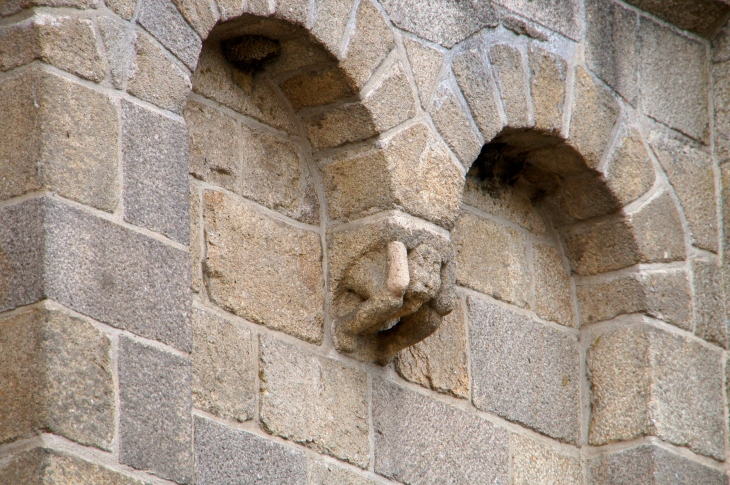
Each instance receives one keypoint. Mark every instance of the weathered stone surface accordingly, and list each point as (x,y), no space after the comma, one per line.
(440,361)
(230,9)
(262,269)
(9,7)
(294,11)
(586,196)
(315,88)
(117,276)
(56,376)
(342,124)
(295,54)
(48,467)
(196,238)
(524,371)
(674,80)
(548,74)
(118,41)
(594,113)
(721,45)
(629,171)
(612,46)
(658,231)
(224,455)
(426,62)
(689,168)
(650,465)
(664,295)
(721,105)
(586,246)
(480,92)
(200,14)
(315,401)
(68,43)
(444,22)
(512,82)
(431,441)
(323,473)
(161,19)
(391,100)
(369,44)
(645,381)
(155,78)
(215,145)
(329,26)
(224,371)
(701,16)
(563,16)
(492,259)
(553,291)
(711,322)
(454,125)
(410,170)
(123,8)
(534,463)
(155,164)
(155,420)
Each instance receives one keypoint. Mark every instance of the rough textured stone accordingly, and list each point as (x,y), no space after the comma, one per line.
(701,16)
(658,231)
(155,78)
(369,44)
(674,80)
(534,463)
(553,290)
(315,401)
(343,124)
(196,238)
(440,361)
(711,322)
(480,92)
(117,276)
(118,41)
(9,7)
(586,196)
(425,64)
(262,269)
(224,455)
(123,8)
(512,82)
(390,102)
(442,21)
(155,164)
(56,376)
(612,46)
(690,172)
(492,259)
(664,295)
(594,113)
(430,441)
(295,54)
(200,14)
(721,45)
(721,105)
(48,467)
(645,381)
(629,171)
(586,246)
(155,420)
(224,371)
(331,22)
(322,473)
(548,74)
(315,88)
(454,125)
(650,465)
(161,19)
(524,371)
(563,16)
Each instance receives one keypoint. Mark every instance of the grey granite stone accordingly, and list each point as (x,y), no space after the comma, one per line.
(155,166)
(711,322)
(155,411)
(524,371)
(224,456)
(421,441)
(118,276)
(563,16)
(162,20)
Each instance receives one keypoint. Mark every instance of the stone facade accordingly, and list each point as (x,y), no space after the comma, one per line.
(388,242)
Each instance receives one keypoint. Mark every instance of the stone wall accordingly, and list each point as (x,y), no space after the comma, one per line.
(174,233)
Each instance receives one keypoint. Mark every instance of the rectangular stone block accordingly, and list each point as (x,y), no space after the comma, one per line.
(563,16)
(548,75)
(478,88)
(155,411)
(117,276)
(651,465)
(161,19)
(586,246)
(369,44)
(262,269)
(524,371)
(553,288)
(155,166)
(421,441)
(315,401)
(224,456)
(711,322)
(721,105)
(55,376)
(534,463)
(224,370)
(323,473)
(425,64)
(648,382)
(512,81)
(117,37)
(454,124)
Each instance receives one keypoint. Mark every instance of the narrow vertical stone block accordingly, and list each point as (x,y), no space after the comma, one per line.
(425,64)
(454,125)
(480,91)
(711,322)
(161,19)
(512,82)
(548,75)
(369,44)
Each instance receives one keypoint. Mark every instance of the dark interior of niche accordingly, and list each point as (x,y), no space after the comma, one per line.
(249,53)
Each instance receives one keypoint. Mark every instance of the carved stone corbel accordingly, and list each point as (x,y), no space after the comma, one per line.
(393,282)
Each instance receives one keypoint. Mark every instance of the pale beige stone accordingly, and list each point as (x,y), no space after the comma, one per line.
(230,9)
(454,125)
(492,259)
(390,102)
(426,63)
(262,269)
(330,23)
(200,14)
(512,83)
(323,473)
(548,74)
(658,231)
(440,361)
(629,172)
(196,239)
(534,463)
(294,11)
(155,78)
(369,44)
(592,119)
(117,37)
(315,401)
(553,291)
(123,8)
(710,321)
(224,370)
